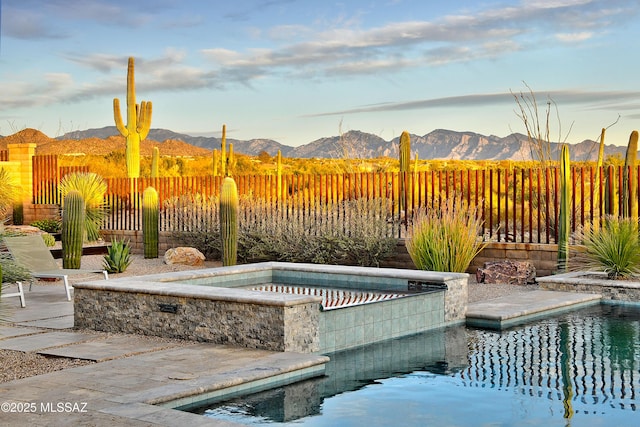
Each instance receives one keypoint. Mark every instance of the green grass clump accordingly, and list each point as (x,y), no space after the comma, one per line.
(445,239)
(613,248)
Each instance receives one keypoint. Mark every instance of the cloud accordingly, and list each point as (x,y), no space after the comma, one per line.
(574,37)
(468,35)
(614,100)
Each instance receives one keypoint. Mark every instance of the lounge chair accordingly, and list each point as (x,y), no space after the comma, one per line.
(19,294)
(31,252)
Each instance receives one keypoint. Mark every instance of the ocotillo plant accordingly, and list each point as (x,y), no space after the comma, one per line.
(138,123)
(564,221)
(150,222)
(155,159)
(597,200)
(73,218)
(229,221)
(405,179)
(629,184)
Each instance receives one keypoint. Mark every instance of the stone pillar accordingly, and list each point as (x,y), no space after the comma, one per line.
(23,154)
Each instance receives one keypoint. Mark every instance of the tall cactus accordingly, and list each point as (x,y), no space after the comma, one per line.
(155,160)
(279,175)
(231,161)
(565,206)
(138,123)
(223,151)
(216,162)
(629,184)
(150,222)
(405,179)
(73,218)
(229,221)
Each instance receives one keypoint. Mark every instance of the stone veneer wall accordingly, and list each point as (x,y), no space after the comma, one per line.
(614,290)
(544,257)
(267,326)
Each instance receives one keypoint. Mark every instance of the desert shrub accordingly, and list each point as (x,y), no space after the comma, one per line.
(613,248)
(445,239)
(48,225)
(11,271)
(49,240)
(352,232)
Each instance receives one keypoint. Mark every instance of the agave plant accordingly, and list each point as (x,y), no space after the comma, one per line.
(92,188)
(613,248)
(118,256)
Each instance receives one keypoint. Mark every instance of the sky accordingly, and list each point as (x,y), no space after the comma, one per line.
(298,70)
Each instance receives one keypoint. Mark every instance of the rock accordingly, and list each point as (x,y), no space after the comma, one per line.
(508,271)
(184,255)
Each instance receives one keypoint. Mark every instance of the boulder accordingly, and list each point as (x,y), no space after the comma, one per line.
(508,271)
(184,255)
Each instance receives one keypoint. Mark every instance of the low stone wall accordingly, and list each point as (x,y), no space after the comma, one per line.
(290,324)
(593,283)
(210,305)
(542,256)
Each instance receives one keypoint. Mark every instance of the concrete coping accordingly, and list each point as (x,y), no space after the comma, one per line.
(169,283)
(588,278)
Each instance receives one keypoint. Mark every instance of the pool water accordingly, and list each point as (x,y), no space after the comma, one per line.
(581,369)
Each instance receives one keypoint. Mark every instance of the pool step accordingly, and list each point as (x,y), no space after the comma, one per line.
(510,310)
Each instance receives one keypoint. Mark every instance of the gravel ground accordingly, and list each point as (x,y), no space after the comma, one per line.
(16,364)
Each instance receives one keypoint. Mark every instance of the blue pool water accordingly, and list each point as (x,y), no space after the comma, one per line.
(578,369)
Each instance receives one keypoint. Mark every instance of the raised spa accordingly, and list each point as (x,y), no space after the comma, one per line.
(276,306)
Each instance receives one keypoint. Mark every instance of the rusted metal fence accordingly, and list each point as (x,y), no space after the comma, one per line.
(47,176)
(516,204)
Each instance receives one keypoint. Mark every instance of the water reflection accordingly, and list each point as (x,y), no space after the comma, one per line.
(586,361)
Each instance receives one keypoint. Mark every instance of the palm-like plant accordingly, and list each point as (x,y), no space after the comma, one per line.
(613,248)
(445,239)
(92,188)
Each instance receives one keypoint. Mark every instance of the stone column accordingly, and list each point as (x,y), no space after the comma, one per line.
(23,153)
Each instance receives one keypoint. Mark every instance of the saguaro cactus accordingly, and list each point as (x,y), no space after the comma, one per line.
(155,159)
(138,123)
(564,221)
(223,151)
(629,183)
(405,179)
(229,221)
(216,162)
(279,175)
(73,218)
(150,222)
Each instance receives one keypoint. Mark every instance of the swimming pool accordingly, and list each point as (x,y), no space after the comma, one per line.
(581,368)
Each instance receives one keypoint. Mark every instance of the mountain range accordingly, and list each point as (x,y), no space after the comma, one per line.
(438,144)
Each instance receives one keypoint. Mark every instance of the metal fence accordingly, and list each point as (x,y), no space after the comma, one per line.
(516,204)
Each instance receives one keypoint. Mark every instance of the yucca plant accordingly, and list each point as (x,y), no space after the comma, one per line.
(118,256)
(92,188)
(9,192)
(445,239)
(613,248)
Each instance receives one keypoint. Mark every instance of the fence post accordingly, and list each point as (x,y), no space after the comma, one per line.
(23,154)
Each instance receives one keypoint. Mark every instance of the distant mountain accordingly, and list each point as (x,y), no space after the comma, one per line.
(438,144)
